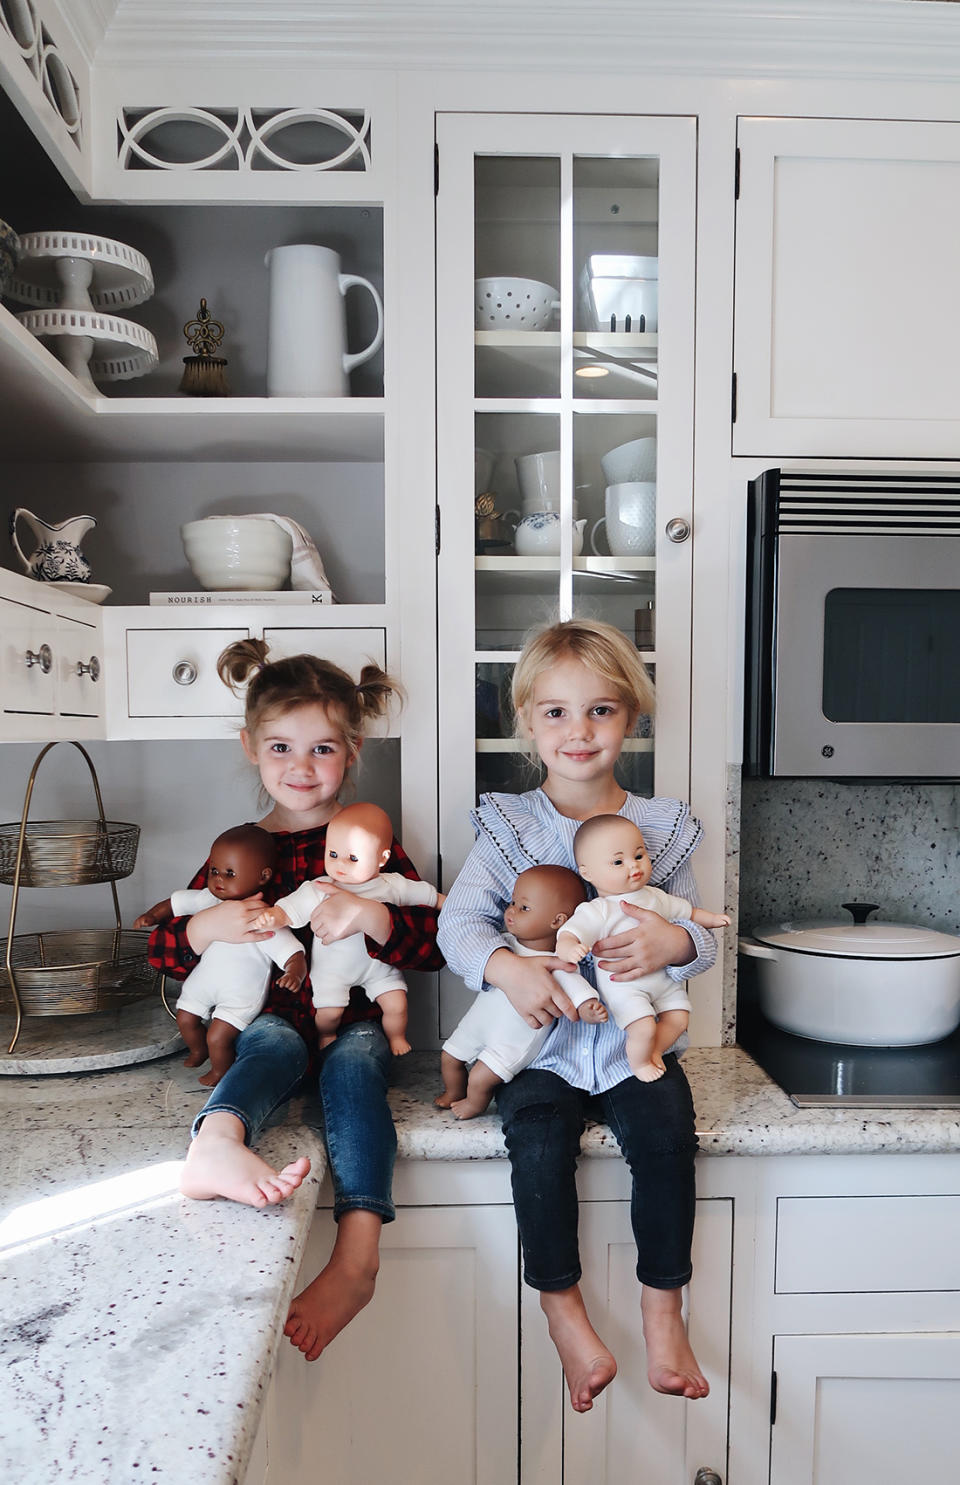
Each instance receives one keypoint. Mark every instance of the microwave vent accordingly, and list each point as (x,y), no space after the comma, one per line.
(868,505)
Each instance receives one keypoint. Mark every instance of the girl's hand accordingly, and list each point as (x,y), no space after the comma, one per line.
(651,945)
(227,923)
(270,918)
(529,985)
(341,914)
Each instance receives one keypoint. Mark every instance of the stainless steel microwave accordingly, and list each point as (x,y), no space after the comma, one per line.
(853,625)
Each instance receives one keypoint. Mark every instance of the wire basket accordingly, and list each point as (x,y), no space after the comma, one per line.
(72,972)
(66,853)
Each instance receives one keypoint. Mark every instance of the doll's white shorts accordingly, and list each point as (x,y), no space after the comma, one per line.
(239,1014)
(335,967)
(632,1000)
(494,1033)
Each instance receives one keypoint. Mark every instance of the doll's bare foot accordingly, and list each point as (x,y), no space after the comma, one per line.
(398,1045)
(587,1364)
(219,1163)
(454,1074)
(649,1072)
(592,1011)
(470,1107)
(671,1364)
(196,1059)
(482,1084)
(210,1079)
(341,1290)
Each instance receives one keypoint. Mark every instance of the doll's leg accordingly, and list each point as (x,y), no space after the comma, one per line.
(328,1018)
(654,1126)
(271,1059)
(670,1025)
(453,1070)
(194,1034)
(543,1119)
(221,1045)
(640,1039)
(393,1004)
(482,1084)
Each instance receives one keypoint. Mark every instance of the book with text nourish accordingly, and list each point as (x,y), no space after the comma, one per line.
(304,597)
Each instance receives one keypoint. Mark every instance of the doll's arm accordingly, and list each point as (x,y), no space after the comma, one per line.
(705,919)
(294,971)
(161,912)
(570,947)
(272,917)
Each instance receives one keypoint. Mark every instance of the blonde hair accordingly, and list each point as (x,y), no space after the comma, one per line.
(603,649)
(275,687)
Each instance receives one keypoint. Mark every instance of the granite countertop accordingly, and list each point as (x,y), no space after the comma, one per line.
(140,1329)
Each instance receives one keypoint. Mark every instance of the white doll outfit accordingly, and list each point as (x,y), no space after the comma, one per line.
(334,968)
(630,1000)
(494,1033)
(231,981)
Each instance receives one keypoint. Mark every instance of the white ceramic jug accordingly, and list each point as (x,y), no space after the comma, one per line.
(307,331)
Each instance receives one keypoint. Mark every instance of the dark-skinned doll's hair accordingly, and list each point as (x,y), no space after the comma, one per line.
(255,838)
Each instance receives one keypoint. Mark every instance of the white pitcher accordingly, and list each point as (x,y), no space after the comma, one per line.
(57,557)
(307,332)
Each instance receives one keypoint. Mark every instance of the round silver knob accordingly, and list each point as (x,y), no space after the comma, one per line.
(42,657)
(92,670)
(184,672)
(678,529)
(707,1477)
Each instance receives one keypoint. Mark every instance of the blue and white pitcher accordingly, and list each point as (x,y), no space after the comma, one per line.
(57,557)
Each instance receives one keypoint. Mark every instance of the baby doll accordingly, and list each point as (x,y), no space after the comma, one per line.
(610,854)
(227,989)
(358,844)
(493,1032)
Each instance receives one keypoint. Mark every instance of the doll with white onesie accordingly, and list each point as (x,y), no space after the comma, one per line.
(611,855)
(494,1036)
(358,843)
(228,988)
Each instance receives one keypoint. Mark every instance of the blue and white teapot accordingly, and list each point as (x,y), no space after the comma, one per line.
(57,557)
(538,535)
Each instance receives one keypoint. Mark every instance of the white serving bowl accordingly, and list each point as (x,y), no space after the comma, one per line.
(514,303)
(240,552)
(636,460)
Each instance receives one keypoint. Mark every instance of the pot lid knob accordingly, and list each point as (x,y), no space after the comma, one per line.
(860,911)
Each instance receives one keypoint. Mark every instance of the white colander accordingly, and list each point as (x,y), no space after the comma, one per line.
(514,304)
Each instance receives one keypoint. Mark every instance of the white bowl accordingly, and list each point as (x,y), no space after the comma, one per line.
(237,552)
(514,303)
(636,460)
(630,516)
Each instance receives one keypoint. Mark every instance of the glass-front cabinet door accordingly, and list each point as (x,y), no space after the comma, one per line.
(565,328)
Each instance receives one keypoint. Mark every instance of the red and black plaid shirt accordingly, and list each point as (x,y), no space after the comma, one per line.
(412,943)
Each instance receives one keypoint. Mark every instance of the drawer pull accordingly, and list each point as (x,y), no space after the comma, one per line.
(185,672)
(678,529)
(707,1477)
(92,670)
(42,657)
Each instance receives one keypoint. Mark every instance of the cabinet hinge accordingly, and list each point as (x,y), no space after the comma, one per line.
(773,1398)
(736,177)
(436,170)
(436,529)
(733,399)
(440,871)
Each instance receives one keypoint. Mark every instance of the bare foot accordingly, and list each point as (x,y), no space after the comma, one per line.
(671,1364)
(398,1045)
(454,1074)
(469,1108)
(341,1290)
(210,1079)
(218,1166)
(196,1059)
(592,1011)
(444,1100)
(649,1072)
(587,1364)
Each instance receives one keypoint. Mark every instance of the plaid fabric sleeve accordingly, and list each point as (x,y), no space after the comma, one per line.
(412,942)
(168,950)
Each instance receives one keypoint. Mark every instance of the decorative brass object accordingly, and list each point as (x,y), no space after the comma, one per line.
(203,372)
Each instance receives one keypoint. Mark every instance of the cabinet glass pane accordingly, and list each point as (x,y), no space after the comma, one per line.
(615,238)
(517,276)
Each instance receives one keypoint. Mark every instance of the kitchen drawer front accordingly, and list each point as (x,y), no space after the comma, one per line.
(79,665)
(173,673)
(867,1244)
(351,649)
(27,688)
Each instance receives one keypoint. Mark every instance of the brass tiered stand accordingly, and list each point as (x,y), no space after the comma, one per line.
(76,971)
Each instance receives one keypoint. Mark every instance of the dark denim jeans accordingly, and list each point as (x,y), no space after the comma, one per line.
(358,1128)
(543,1119)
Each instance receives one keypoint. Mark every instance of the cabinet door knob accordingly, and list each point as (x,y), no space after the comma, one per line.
(42,657)
(706,1476)
(184,672)
(679,530)
(92,670)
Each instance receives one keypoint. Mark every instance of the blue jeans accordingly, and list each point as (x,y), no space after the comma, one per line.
(543,1119)
(271,1061)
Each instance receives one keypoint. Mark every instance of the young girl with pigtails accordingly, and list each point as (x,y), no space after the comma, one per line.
(303,729)
(579,689)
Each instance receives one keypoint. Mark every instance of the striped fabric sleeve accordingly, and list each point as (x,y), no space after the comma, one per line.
(683,884)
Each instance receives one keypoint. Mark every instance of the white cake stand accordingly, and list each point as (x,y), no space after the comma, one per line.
(74,279)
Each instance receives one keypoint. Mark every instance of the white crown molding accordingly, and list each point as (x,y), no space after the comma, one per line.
(87,21)
(886,38)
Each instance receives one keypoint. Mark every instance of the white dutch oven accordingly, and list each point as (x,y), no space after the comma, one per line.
(862,984)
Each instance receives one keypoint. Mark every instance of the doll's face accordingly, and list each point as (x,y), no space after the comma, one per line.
(355,850)
(236,869)
(614,859)
(533,911)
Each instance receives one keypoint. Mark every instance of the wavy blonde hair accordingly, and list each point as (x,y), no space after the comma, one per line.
(603,649)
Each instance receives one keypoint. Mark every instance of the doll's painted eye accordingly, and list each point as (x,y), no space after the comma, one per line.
(332,854)
(353,859)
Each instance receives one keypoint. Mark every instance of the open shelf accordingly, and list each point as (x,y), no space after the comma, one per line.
(46,412)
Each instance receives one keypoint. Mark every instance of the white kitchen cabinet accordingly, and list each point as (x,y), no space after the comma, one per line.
(847,296)
(51,669)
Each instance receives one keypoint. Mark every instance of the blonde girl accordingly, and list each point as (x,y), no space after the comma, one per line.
(304,724)
(579,689)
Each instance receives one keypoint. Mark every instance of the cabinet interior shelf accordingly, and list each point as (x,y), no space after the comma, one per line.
(508,359)
(592,575)
(45,409)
